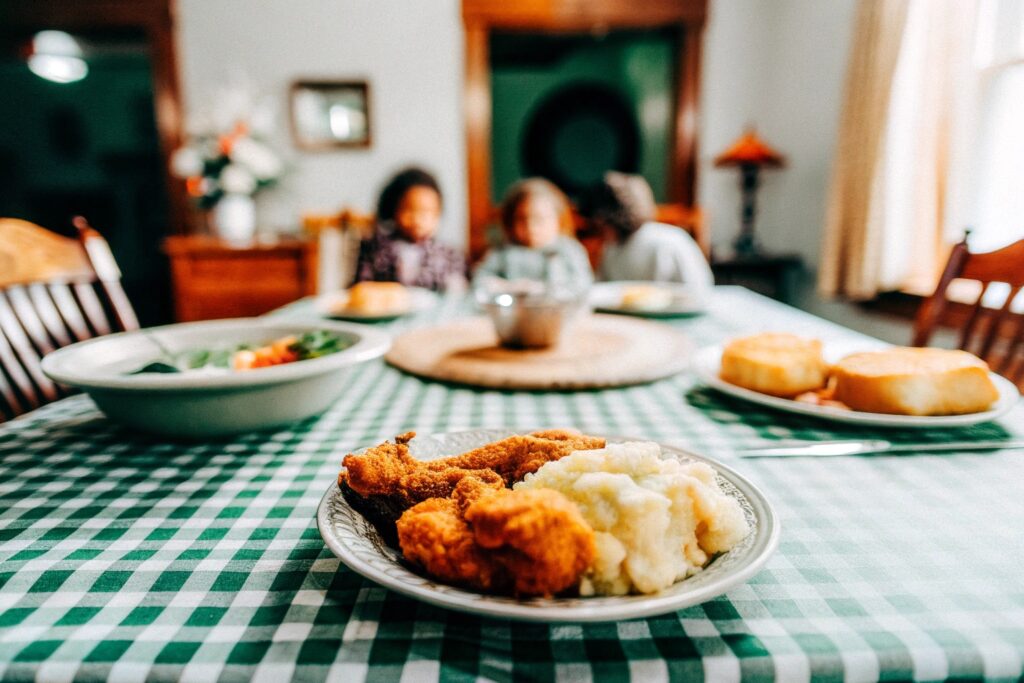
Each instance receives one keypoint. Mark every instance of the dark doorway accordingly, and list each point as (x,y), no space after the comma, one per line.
(91,147)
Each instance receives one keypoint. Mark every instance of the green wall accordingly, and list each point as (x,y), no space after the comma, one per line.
(90,147)
(106,101)
(638,64)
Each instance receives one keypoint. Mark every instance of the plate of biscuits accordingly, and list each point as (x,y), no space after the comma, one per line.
(547,526)
(369,302)
(884,386)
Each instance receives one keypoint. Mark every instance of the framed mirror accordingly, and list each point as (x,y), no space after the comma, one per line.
(330,114)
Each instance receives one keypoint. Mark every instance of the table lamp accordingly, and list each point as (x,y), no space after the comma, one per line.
(750,154)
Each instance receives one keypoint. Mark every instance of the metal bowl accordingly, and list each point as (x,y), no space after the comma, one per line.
(530,320)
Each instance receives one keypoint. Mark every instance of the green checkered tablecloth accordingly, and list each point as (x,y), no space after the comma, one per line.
(132,558)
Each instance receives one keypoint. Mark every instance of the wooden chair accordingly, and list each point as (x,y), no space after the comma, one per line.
(54,291)
(338,239)
(993,334)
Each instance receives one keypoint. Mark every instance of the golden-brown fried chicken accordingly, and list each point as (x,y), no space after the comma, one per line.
(542,540)
(390,470)
(435,535)
(386,480)
(489,538)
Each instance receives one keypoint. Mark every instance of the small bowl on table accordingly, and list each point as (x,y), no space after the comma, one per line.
(528,315)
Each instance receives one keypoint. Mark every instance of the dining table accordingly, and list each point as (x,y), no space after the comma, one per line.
(131,557)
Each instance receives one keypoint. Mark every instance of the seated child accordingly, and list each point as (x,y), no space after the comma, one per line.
(403,248)
(636,247)
(535,218)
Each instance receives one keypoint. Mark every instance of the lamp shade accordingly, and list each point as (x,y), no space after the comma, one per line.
(750,150)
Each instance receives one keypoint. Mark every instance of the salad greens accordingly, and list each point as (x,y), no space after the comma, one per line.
(319,343)
(308,345)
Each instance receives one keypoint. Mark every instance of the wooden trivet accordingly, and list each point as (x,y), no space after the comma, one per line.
(598,351)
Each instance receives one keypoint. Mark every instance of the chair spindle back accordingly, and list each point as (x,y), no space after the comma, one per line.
(995,334)
(54,291)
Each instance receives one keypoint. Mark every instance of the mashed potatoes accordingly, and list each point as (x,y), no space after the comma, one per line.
(656,521)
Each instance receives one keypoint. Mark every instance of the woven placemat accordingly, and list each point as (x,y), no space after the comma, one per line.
(598,351)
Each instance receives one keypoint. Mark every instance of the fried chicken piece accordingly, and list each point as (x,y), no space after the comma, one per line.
(495,539)
(390,470)
(471,489)
(435,535)
(375,486)
(386,480)
(541,540)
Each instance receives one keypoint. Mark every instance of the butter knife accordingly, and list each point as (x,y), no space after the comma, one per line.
(825,449)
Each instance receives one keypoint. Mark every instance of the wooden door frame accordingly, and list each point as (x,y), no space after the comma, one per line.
(156,18)
(480,17)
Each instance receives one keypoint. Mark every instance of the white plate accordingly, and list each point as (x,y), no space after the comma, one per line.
(358,545)
(607,297)
(333,305)
(707,363)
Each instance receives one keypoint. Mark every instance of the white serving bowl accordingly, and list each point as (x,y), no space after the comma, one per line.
(196,405)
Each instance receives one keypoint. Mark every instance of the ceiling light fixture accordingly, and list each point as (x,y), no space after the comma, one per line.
(56,56)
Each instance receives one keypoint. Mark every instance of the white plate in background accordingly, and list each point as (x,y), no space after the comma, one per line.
(335,305)
(607,297)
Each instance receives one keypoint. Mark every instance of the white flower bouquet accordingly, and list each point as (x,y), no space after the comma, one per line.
(231,163)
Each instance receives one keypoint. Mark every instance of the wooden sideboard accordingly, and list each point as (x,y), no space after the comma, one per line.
(213,278)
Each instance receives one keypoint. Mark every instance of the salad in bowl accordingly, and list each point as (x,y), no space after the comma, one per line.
(217,377)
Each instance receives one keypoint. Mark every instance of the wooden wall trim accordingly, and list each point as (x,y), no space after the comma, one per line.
(582,14)
(480,17)
(683,164)
(83,14)
(477,103)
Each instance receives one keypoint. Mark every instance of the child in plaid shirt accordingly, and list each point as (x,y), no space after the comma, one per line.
(403,248)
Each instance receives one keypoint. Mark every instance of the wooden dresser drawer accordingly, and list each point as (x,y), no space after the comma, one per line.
(215,279)
(235,270)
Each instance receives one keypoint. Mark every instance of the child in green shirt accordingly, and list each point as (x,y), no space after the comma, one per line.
(539,245)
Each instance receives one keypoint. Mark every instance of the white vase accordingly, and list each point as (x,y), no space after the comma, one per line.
(234,217)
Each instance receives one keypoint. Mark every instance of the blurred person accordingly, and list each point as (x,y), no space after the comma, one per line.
(539,244)
(622,209)
(403,247)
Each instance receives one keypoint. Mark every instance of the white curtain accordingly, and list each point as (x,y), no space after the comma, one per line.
(853,241)
(925,118)
(887,222)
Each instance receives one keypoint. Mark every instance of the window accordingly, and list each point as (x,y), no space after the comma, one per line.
(991,172)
